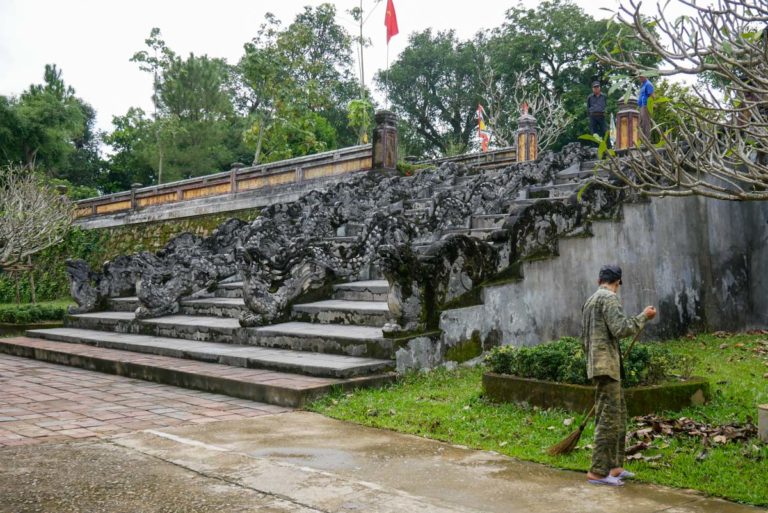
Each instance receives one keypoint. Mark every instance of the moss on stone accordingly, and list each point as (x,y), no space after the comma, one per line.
(465,350)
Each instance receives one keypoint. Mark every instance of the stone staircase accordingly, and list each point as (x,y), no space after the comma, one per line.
(332,344)
(335,343)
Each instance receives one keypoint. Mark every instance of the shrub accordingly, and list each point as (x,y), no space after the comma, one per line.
(26,314)
(564,361)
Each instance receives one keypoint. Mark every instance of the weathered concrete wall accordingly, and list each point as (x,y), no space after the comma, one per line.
(703,262)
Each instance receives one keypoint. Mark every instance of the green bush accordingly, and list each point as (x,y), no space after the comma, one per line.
(564,361)
(27,314)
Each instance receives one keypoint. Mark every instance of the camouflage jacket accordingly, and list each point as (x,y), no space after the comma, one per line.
(603,324)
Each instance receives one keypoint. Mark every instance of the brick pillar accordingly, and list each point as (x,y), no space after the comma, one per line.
(385,141)
(627,125)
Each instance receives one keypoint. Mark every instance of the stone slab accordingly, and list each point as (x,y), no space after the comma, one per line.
(326,338)
(371,285)
(314,364)
(342,311)
(280,388)
(345,306)
(334,466)
(323,330)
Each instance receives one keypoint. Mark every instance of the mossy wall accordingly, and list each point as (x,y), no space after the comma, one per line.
(100,245)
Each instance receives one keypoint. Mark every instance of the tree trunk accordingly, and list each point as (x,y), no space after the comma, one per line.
(32,281)
(257,156)
(18,290)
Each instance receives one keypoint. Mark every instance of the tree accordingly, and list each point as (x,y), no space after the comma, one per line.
(433,87)
(48,127)
(551,47)
(717,145)
(134,142)
(195,126)
(504,102)
(33,217)
(296,74)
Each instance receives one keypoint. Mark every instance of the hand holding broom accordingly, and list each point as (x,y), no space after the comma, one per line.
(569,443)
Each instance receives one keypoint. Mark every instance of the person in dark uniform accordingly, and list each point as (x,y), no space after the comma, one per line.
(597,104)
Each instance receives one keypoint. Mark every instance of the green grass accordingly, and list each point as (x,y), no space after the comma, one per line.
(63,303)
(449,406)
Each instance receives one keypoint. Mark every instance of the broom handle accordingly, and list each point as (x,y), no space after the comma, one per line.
(626,353)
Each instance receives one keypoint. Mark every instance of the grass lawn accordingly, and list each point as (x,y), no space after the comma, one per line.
(61,303)
(449,406)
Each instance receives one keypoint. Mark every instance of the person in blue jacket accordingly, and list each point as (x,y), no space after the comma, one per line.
(646,90)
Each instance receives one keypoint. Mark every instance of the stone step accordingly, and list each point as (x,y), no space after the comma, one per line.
(341,311)
(477,233)
(326,338)
(417,213)
(370,290)
(123,304)
(232,289)
(350,230)
(200,328)
(214,306)
(488,220)
(283,360)
(300,336)
(555,191)
(280,388)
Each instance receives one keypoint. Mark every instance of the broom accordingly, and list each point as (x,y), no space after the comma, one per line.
(569,443)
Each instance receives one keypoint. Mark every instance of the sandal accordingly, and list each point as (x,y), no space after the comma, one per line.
(626,474)
(607,480)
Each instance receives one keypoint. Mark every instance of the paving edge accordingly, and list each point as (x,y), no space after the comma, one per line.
(260,392)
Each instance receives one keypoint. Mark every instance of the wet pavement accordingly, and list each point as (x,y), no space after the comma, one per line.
(252,458)
(42,402)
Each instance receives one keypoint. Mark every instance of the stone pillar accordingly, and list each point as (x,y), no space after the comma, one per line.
(134,203)
(385,141)
(762,422)
(527,137)
(627,125)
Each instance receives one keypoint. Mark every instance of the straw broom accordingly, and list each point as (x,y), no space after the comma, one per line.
(569,443)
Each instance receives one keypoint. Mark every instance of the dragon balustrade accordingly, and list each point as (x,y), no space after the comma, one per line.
(365,226)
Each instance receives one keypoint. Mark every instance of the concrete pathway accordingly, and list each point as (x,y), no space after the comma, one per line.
(149,448)
(330,466)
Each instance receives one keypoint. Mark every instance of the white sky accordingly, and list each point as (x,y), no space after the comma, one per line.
(93,40)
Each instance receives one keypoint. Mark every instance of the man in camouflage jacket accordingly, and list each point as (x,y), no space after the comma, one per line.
(603,325)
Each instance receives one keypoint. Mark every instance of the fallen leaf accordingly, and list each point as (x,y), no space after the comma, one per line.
(551,428)
(567,422)
(703,455)
(720,439)
(723,346)
(636,456)
(502,444)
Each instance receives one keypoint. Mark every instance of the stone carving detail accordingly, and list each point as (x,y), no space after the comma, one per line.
(413,230)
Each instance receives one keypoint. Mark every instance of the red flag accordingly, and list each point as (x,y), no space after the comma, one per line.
(390,20)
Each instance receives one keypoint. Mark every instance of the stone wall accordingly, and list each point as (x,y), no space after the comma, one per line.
(98,246)
(703,262)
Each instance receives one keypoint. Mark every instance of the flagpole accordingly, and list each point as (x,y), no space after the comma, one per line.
(387,98)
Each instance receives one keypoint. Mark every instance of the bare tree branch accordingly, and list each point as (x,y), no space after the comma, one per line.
(718,146)
(33,217)
(504,102)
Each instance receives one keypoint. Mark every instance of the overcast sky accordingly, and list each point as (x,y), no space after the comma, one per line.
(93,40)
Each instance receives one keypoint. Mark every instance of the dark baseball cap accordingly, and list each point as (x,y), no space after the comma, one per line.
(610,273)
(595,84)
